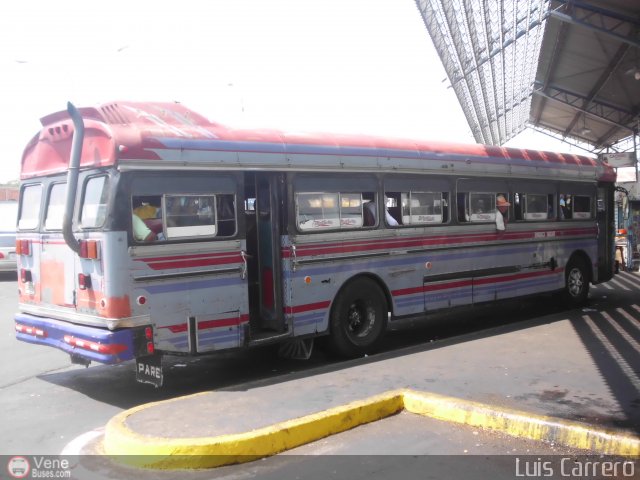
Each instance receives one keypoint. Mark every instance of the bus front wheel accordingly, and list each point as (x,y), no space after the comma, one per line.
(358,318)
(576,288)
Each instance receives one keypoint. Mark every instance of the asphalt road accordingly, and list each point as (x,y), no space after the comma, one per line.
(47,402)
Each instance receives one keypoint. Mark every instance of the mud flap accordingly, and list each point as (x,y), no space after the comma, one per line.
(149,370)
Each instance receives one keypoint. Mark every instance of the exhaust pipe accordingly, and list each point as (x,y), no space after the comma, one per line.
(72,178)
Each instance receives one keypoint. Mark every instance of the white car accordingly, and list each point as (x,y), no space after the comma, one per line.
(8,221)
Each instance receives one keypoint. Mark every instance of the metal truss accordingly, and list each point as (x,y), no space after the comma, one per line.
(489,49)
(611,114)
(598,19)
(624,145)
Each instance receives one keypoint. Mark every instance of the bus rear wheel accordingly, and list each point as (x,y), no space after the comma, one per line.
(576,288)
(358,318)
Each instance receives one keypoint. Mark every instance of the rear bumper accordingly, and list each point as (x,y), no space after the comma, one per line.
(89,343)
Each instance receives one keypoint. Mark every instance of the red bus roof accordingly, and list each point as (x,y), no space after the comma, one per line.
(148,131)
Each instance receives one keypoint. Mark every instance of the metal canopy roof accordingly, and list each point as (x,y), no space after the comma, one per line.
(568,68)
(588,83)
(489,49)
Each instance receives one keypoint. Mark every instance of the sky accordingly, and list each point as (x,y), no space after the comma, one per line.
(347,66)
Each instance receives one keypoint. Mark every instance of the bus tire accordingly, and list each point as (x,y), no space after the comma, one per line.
(358,318)
(576,283)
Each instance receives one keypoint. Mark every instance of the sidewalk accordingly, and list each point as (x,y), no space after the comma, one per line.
(579,366)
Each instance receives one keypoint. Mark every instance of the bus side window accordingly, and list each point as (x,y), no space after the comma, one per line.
(420,208)
(226,210)
(518,206)
(565,206)
(463,211)
(482,206)
(328,211)
(582,207)
(392,204)
(551,206)
(536,207)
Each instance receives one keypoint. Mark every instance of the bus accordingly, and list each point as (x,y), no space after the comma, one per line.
(146,230)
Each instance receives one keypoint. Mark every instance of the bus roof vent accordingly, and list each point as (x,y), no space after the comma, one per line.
(113,114)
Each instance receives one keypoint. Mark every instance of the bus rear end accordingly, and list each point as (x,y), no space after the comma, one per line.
(75,300)
(121,257)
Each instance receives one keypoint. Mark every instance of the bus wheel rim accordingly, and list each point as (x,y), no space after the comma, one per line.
(360,319)
(576,282)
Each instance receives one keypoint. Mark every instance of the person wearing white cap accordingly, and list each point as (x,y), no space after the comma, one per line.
(502,207)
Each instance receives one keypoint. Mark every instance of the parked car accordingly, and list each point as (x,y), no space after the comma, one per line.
(8,221)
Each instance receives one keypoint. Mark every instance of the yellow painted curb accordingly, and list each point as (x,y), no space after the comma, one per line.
(204,452)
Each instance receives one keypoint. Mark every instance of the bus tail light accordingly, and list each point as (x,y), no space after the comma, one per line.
(112,349)
(84,281)
(33,331)
(25,275)
(23,247)
(148,334)
(90,249)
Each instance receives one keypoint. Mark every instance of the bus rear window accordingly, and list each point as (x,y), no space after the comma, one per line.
(55,207)
(94,204)
(30,207)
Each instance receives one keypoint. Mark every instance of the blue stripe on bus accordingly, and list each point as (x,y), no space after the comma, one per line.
(218,337)
(192,285)
(438,256)
(311,149)
(307,319)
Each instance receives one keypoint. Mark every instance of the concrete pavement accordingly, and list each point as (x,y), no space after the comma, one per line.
(571,377)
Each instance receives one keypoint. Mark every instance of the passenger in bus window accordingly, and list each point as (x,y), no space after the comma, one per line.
(565,206)
(369,211)
(145,212)
(145,208)
(502,212)
(141,232)
(390,219)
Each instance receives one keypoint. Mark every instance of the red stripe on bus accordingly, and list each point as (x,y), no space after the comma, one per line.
(223,322)
(515,276)
(189,257)
(193,263)
(429,241)
(308,307)
(182,327)
(469,282)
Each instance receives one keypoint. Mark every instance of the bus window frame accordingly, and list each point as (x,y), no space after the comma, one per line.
(47,205)
(577,190)
(81,204)
(395,184)
(418,223)
(324,183)
(581,213)
(189,183)
(165,219)
(491,212)
(22,204)
(339,227)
